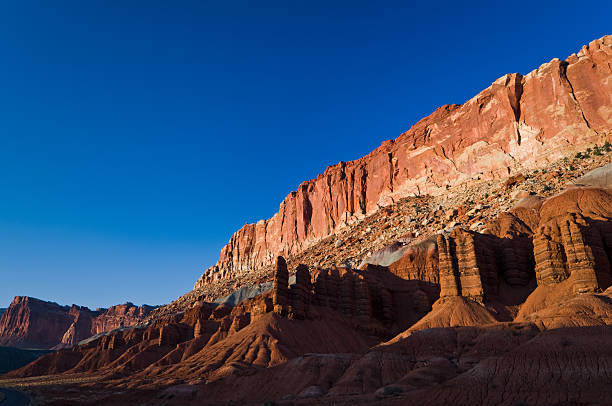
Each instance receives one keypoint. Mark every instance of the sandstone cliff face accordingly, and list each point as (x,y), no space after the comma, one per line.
(364,297)
(30,322)
(117,316)
(419,262)
(574,240)
(566,237)
(519,122)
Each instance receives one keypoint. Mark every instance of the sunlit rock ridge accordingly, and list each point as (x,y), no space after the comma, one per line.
(518,123)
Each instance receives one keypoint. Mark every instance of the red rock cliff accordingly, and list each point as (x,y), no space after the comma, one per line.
(519,122)
(119,316)
(30,322)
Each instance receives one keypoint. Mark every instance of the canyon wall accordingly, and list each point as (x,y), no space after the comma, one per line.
(517,123)
(34,323)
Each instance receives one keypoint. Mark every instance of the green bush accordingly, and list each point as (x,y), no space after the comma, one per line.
(596,151)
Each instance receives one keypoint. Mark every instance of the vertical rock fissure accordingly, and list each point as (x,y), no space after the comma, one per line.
(563,74)
(515,93)
(390,156)
(364,188)
(445,155)
(332,202)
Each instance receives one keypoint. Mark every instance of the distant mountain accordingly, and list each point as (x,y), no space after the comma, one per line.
(34,323)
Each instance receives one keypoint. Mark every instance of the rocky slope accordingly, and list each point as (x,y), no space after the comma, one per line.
(519,123)
(33,323)
(412,223)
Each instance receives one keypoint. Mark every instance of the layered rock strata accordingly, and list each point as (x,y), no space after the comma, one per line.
(364,297)
(300,292)
(574,240)
(280,296)
(565,237)
(465,268)
(517,123)
(34,323)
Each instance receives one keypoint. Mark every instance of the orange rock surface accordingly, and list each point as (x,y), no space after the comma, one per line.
(517,123)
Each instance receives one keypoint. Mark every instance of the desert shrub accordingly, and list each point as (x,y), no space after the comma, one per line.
(597,151)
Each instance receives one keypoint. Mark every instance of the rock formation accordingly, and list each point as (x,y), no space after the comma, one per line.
(300,292)
(117,316)
(419,262)
(517,123)
(574,240)
(280,296)
(33,323)
(462,272)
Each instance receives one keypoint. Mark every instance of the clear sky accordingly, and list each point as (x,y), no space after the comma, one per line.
(136,137)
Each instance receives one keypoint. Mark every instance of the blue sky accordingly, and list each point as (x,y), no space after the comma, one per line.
(136,137)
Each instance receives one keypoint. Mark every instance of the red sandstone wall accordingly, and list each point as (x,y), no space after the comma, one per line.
(518,122)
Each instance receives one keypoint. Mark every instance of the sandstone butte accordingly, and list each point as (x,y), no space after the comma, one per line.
(516,124)
(34,323)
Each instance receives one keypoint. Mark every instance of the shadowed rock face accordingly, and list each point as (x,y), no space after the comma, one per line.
(30,322)
(574,240)
(344,310)
(517,122)
(419,262)
(280,294)
(472,264)
(364,297)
